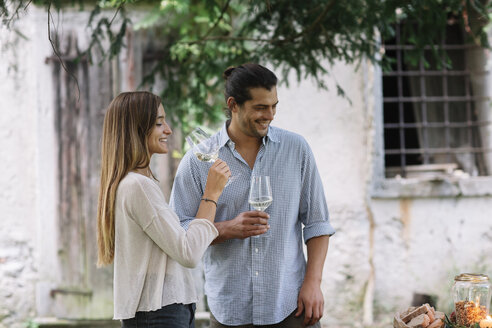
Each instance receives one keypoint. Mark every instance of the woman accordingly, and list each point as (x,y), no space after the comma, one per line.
(136,227)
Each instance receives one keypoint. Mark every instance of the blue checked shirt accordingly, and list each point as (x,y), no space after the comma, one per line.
(257,280)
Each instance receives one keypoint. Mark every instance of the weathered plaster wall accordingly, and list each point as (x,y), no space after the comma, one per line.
(28,203)
(418,244)
(335,129)
(19,174)
(421,244)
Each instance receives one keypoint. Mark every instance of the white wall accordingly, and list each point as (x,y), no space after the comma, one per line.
(335,128)
(20,110)
(421,244)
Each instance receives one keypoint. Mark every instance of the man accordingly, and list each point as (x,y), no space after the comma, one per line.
(254,277)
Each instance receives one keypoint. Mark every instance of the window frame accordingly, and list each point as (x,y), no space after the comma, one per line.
(416,187)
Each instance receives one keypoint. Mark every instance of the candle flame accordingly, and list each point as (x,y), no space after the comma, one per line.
(477,301)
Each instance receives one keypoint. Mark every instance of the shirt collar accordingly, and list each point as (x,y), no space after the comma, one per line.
(224,136)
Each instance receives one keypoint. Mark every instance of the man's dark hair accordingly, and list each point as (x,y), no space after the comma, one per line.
(239,79)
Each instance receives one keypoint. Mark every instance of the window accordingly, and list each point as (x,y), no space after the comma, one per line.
(437,117)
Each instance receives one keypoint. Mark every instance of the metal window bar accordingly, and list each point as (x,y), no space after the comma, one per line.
(410,47)
(447,132)
(434,99)
(460,150)
(436,73)
(400,104)
(468,113)
(423,108)
(471,124)
(438,125)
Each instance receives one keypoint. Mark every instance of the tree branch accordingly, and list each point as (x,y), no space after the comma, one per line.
(227,38)
(218,19)
(316,22)
(15,14)
(57,54)
(25,8)
(116,12)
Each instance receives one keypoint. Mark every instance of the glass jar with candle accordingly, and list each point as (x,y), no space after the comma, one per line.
(471,298)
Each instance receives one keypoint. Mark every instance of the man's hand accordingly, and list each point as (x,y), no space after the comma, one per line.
(310,298)
(310,301)
(246,224)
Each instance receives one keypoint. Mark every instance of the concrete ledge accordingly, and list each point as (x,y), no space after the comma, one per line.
(202,320)
(438,188)
(202,316)
(64,323)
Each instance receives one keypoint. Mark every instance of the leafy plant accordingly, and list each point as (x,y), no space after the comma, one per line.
(199,39)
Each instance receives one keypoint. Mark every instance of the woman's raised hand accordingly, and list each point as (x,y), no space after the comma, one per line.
(218,175)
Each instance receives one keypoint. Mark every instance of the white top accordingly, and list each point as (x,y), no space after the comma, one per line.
(152,249)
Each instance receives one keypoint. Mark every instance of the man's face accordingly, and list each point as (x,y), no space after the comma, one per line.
(254,116)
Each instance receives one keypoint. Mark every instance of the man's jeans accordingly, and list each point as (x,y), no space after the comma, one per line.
(170,316)
(290,322)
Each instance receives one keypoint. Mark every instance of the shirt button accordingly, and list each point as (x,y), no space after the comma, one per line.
(256,250)
(256,273)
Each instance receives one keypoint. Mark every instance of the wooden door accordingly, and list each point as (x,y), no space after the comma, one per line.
(83,291)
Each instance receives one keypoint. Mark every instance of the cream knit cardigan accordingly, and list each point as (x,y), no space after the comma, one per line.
(152,251)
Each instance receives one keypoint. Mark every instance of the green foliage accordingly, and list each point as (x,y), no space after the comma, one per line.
(199,39)
(31,324)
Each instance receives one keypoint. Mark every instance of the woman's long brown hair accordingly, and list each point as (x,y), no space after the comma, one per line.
(129,120)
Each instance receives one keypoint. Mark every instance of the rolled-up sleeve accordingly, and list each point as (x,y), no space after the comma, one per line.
(313,211)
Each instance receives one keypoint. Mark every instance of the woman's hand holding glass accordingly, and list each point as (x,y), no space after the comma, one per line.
(218,175)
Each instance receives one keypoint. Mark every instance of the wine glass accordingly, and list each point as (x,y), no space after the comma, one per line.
(260,192)
(205,148)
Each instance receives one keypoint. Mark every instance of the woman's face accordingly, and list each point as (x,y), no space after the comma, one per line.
(157,139)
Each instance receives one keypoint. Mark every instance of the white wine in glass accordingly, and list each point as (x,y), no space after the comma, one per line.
(207,157)
(260,193)
(261,204)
